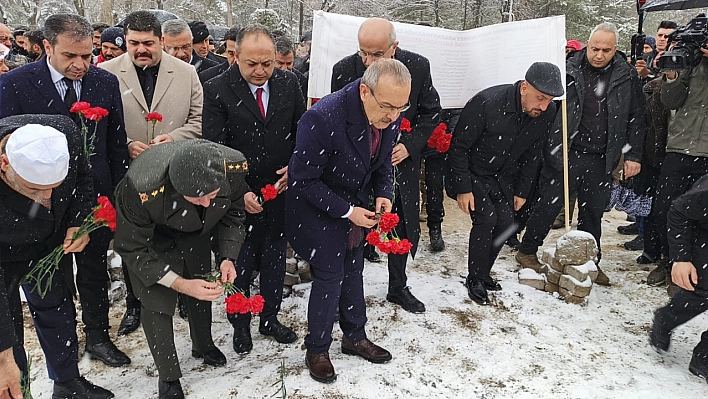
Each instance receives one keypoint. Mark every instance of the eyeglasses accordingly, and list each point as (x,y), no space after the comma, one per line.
(390,108)
(5,38)
(187,48)
(373,54)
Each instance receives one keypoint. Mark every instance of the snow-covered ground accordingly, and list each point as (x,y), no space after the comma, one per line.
(527,344)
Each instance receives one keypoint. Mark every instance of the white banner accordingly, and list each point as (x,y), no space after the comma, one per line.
(462,62)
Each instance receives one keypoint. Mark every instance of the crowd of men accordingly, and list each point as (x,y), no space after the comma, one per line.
(187,188)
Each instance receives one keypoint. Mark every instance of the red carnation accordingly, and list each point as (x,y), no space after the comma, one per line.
(95,113)
(154,117)
(433,140)
(236,304)
(373,238)
(255,304)
(440,129)
(387,246)
(405,125)
(444,142)
(402,247)
(269,192)
(388,222)
(104,213)
(79,106)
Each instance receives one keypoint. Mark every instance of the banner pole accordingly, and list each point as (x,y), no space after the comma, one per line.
(566,194)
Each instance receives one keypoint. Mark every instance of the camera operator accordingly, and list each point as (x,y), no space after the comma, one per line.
(686,92)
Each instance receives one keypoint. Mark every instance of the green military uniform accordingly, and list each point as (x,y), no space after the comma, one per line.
(160,232)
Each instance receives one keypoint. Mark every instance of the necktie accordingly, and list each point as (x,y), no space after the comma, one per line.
(259,100)
(375,141)
(70,95)
(149,89)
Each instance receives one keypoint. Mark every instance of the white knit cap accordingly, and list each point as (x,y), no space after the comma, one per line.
(38,154)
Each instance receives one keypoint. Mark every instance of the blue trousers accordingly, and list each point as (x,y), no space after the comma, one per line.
(340,286)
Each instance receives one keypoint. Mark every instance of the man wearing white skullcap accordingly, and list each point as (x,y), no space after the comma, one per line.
(46,191)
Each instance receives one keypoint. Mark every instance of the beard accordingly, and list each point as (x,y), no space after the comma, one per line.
(11,179)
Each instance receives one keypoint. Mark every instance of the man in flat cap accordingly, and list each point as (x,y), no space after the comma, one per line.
(200,42)
(605,120)
(500,129)
(46,191)
(169,203)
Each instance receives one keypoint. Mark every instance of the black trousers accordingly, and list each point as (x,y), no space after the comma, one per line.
(336,285)
(587,176)
(652,241)
(92,282)
(397,263)
(54,319)
(492,225)
(678,173)
(269,256)
(435,166)
(688,304)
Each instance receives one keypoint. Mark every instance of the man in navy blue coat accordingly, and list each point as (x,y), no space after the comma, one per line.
(50,86)
(342,157)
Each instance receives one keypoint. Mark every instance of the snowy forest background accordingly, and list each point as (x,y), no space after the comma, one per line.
(295,16)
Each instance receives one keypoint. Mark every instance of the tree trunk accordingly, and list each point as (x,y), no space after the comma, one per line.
(229,14)
(106,15)
(302,15)
(464,15)
(80,7)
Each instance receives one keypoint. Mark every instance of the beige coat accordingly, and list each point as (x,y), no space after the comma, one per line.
(178,97)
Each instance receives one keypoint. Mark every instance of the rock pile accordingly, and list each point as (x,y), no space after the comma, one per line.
(568,269)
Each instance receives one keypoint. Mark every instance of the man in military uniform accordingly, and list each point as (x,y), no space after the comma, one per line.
(46,191)
(169,202)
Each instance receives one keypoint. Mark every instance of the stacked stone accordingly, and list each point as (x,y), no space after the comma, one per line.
(569,269)
(297,271)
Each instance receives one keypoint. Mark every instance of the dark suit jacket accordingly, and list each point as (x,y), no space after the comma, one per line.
(212,72)
(231,117)
(303,79)
(331,170)
(30,90)
(492,137)
(160,231)
(217,58)
(424,116)
(200,63)
(8,338)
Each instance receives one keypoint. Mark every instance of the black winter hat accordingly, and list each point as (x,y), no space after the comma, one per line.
(199,31)
(114,35)
(546,78)
(198,169)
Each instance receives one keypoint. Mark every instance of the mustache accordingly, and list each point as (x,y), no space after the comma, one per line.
(148,55)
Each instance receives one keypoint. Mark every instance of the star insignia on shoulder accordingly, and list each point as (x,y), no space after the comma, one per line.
(144,197)
(236,166)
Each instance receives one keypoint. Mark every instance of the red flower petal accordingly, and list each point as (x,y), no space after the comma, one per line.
(388,222)
(269,192)
(79,106)
(255,304)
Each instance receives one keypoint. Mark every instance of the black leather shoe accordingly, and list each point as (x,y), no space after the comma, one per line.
(320,367)
(477,292)
(660,274)
(373,256)
(645,259)
(281,333)
(629,230)
(130,322)
(107,352)
(637,244)
(659,339)
(79,388)
(491,284)
(213,357)
(404,298)
(182,306)
(699,368)
(437,243)
(242,340)
(170,390)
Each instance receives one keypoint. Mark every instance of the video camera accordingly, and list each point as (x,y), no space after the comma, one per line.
(687,53)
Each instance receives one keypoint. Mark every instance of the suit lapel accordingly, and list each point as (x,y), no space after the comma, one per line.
(164,78)
(130,77)
(214,212)
(240,88)
(357,126)
(45,86)
(276,85)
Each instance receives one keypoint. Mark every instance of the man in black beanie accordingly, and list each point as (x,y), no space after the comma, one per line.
(167,205)
(499,129)
(200,41)
(112,44)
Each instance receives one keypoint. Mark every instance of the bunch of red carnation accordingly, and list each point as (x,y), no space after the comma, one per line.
(236,300)
(380,239)
(87,112)
(440,139)
(269,192)
(405,126)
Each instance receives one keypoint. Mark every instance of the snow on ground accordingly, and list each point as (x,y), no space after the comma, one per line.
(527,344)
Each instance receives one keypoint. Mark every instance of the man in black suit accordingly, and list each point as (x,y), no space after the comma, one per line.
(377,39)
(177,42)
(51,86)
(254,108)
(200,41)
(230,44)
(285,59)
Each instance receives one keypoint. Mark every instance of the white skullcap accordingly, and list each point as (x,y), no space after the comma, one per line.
(38,154)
